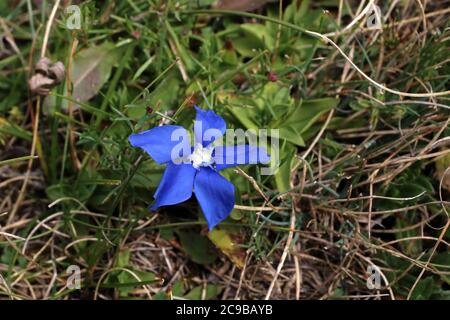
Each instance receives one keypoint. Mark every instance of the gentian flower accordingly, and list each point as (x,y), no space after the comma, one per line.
(196,169)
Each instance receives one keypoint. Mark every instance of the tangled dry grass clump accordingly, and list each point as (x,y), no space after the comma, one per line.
(363,213)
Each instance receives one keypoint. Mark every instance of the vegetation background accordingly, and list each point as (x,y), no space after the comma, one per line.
(364,121)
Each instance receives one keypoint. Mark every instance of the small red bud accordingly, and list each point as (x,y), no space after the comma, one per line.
(272,76)
(136,34)
(228,45)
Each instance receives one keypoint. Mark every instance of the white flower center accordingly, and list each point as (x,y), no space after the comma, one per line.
(201,157)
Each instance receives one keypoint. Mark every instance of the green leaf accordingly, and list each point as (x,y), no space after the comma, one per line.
(8,129)
(424,289)
(92,253)
(259,32)
(58,191)
(123,258)
(289,133)
(128,282)
(177,290)
(283,175)
(442,263)
(246,116)
(254,37)
(302,118)
(197,247)
(210,291)
(147,176)
(164,97)
(230,57)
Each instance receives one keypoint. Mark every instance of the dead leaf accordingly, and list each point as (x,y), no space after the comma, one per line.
(48,75)
(41,84)
(43,65)
(228,240)
(91,69)
(241,5)
(57,71)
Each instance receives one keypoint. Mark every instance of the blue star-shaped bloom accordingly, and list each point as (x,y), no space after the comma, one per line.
(196,169)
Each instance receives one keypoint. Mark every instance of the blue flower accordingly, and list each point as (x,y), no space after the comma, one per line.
(196,169)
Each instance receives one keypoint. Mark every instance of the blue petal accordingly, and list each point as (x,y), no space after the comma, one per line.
(210,123)
(161,142)
(215,195)
(175,186)
(230,156)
